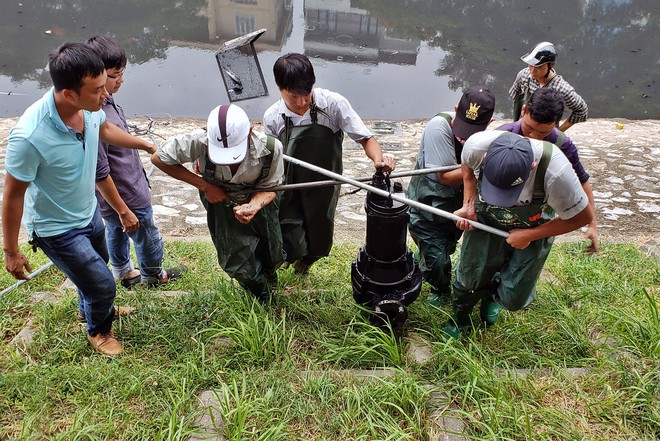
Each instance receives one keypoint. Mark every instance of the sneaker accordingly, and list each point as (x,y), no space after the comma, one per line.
(173,274)
(106,344)
(119,310)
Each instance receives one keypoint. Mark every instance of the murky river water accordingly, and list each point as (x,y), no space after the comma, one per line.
(400,59)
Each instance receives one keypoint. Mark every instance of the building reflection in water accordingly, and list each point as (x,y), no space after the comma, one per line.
(333,30)
(228,19)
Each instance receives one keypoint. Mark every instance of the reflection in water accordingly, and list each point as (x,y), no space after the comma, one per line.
(229,19)
(337,31)
(394,59)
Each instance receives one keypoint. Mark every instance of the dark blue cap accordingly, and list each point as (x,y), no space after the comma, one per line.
(506,168)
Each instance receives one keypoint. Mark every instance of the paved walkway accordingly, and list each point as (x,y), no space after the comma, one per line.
(622,157)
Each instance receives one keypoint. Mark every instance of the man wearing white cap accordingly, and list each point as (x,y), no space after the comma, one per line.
(229,158)
(539,73)
(528,188)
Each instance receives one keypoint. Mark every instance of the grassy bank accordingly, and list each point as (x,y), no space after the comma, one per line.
(281,372)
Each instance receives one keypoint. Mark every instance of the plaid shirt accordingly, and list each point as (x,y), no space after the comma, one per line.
(526,85)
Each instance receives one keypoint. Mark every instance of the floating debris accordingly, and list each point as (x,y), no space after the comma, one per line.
(238,84)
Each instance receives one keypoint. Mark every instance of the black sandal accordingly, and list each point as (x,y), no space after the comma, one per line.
(131,281)
(172,275)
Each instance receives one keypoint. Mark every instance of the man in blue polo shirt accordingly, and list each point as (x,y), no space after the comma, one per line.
(51,167)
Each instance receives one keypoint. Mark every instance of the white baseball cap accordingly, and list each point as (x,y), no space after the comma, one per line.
(228,128)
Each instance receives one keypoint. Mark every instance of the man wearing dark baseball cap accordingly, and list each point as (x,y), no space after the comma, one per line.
(441,145)
(506,168)
(474,112)
(528,188)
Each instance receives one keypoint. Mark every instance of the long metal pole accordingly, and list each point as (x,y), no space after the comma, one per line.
(314,184)
(30,276)
(395,197)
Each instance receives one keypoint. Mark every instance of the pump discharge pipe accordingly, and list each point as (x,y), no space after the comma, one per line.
(30,276)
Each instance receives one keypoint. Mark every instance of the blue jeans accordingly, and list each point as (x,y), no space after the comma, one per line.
(148,246)
(82,255)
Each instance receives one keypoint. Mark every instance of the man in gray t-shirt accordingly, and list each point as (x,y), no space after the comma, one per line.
(528,188)
(441,145)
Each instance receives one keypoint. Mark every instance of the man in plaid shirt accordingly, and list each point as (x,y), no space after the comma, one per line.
(539,73)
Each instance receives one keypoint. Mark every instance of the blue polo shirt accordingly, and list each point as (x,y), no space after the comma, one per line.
(59,164)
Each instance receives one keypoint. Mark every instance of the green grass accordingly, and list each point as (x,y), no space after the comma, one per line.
(281,371)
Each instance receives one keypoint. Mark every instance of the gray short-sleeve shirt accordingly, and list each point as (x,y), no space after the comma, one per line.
(563,191)
(436,149)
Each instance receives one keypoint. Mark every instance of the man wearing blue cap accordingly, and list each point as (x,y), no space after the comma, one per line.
(539,118)
(528,188)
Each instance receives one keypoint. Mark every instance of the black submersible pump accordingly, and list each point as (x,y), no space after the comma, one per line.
(385,277)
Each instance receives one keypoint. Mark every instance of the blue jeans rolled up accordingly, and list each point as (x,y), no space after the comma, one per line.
(147,241)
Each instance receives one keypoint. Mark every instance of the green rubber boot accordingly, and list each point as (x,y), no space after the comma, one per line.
(438,299)
(489,311)
(301,266)
(451,331)
(459,322)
